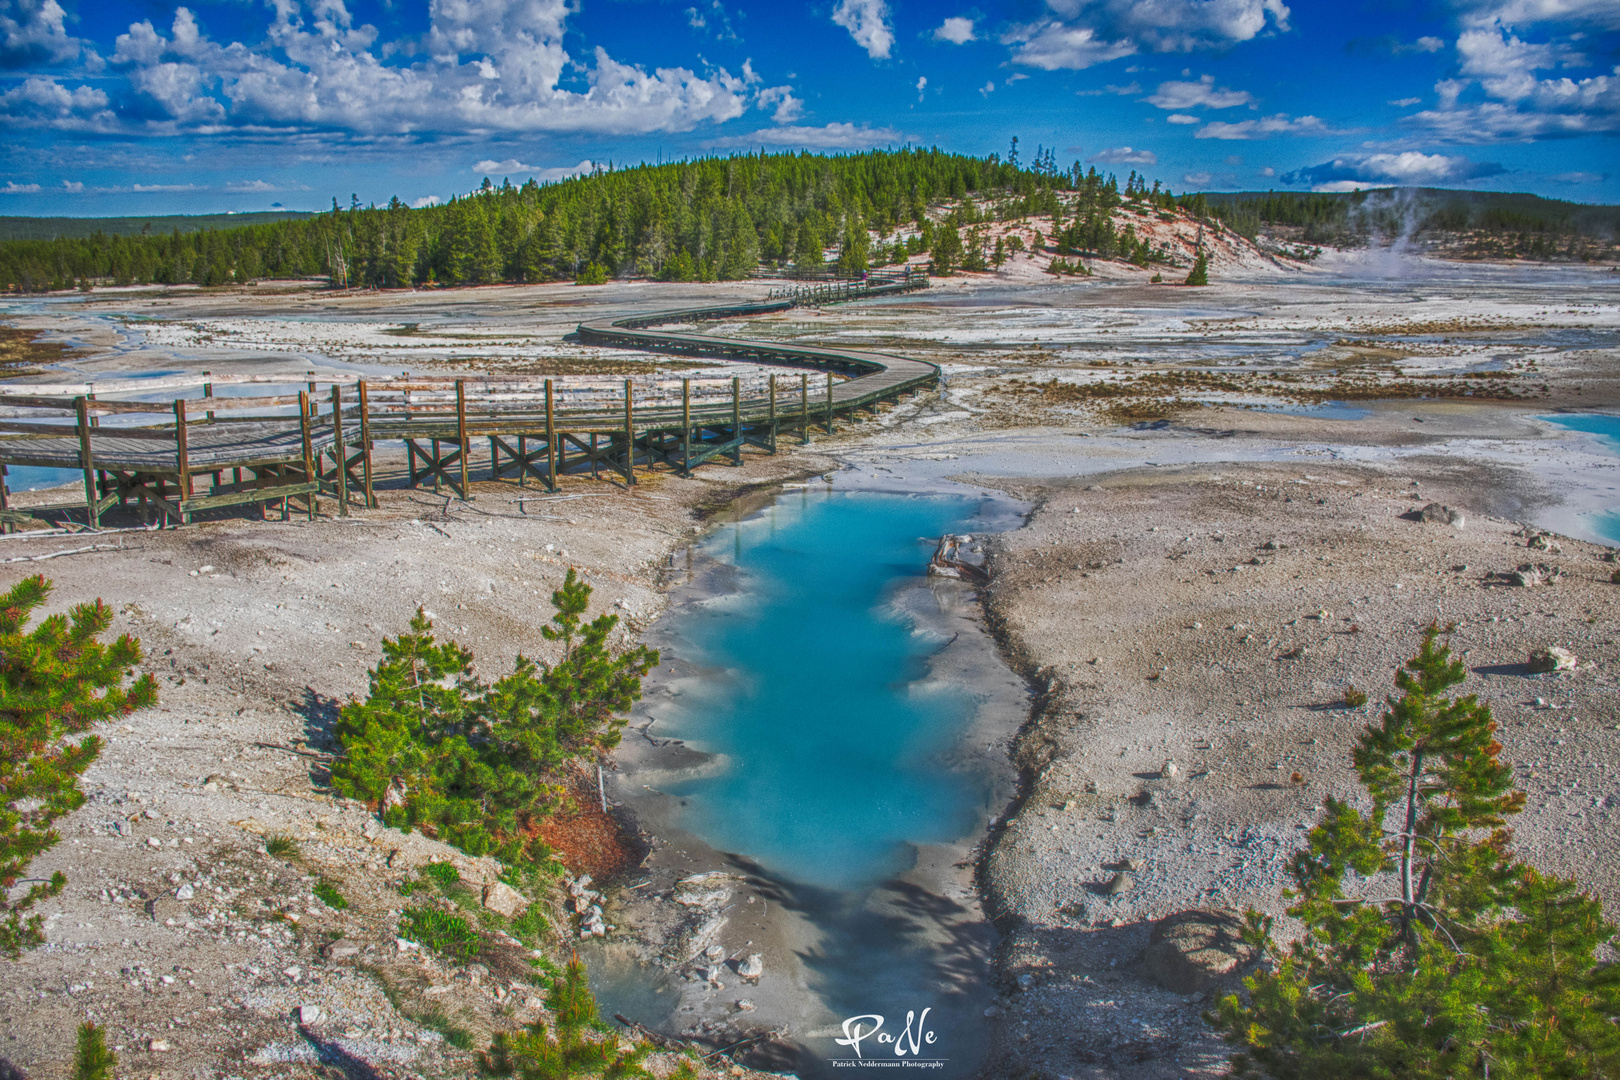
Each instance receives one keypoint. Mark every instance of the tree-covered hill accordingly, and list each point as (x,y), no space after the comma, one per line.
(54,228)
(706,219)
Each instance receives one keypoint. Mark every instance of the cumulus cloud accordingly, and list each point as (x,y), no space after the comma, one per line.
(1517,102)
(1401,103)
(1180,118)
(14,188)
(1123,155)
(1265,128)
(1187,95)
(1079,33)
(1196,179)
(41,101)
(483,66)
(868,23)
(922,86)
(425,200)
(34,32)
(250,186)
(1406,169)
(490,165)
(958,30)
(826,137)
(1603,13)
(787,108)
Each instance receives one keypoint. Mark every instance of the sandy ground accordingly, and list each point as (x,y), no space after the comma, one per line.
(1153,623)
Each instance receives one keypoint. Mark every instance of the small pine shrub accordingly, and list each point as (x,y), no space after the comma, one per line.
(578,1045)
(281,846)
(531,925)
(57,682)
(440,931)
(593,274)
(328,894)
(1353,698)
(1615,577)
(1200,271)
(91,1058)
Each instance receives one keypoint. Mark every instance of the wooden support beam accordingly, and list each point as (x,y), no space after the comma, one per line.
(182,456)
(736,420)
(804,409)
(87,462)
(629,436)
(553,451)
(365,441)
(686,427)
(340,452)
(829,404)
(771,416)
(461,434)
(312,503)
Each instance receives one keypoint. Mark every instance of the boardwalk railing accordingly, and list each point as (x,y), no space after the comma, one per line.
(189,454)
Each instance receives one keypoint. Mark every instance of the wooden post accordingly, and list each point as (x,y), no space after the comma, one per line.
(804,409)
(772,427)
(829,404)
(365,442)
(311,501)
(87,462)
(523,458)
(629,436)
(311,407)
(5,503)
(736,420)
(686,427)
(553,456)
(437,468)
(208,392)
(182,456)
(461,434)
(341,452)
(594,474)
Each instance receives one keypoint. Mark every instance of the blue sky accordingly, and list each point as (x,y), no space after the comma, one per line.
(142,106)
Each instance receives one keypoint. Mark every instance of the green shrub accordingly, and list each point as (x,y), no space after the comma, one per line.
(1353,698)
(49,683)
(1428,951)
(579,1044)
(440,931)
(480,764)
(91,1058)
(281,846)
(328,894)
(531,926)
(1200,271)
(443,873)
(593,274)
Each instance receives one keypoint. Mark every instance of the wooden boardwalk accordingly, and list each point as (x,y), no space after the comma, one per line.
(176,458)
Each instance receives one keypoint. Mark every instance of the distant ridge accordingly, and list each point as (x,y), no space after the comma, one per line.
(54,228)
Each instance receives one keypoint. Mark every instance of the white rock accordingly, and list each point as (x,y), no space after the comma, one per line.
(715,952)
(752,967)
(184,892)
(309,1014)
(159,1046)
(1170,771)
(152,841)
(744,1005)
(405,946)
(502,899)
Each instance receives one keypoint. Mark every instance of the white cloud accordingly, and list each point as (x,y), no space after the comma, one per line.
(868,23)
(827,137)
(1280,124)
(957,29)
(1267,171)
(1196,179)
(988,88)
(41,101)
(922,85)
(483,66)
(425,200)
(787,107)
(34,31)
(1080,33)
(73,187)
(1519,103)
(14,188)
(1124,155)
(250,186)
(1401,103)
(1603,13)
(1180,118)
(1579,177)
(1123,91)
(1353,172)
(1428,44)
(490,165)
(1187,95)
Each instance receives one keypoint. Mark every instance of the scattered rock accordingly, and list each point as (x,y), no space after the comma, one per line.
(715,952)
(342,948)
(1544,542)
(752,967)
(744,1005)
(704,890)
(502,899)
(158,1046)
(1169,771)
(1552,658)
(184,892)
(1436,514)
(405,946)
(1026,981)
(1190,950)
(309,1014)
(1119,883)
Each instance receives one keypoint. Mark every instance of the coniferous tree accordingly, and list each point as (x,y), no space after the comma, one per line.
(1429,952)
(91,1058)
(56,682)
(1200,271)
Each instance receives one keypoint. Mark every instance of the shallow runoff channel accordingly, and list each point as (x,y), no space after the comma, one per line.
(830,726)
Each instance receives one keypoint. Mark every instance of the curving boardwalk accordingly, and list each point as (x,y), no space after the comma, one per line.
(191,454)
